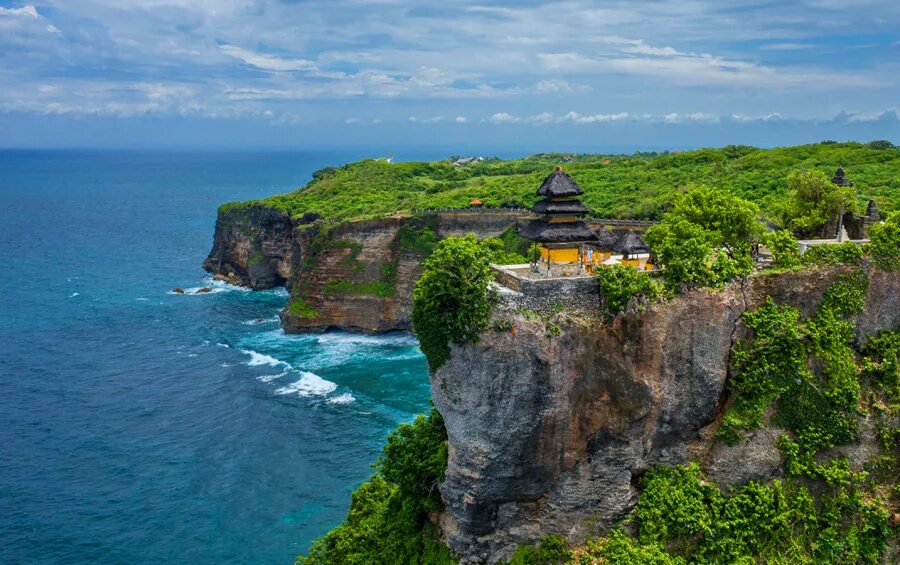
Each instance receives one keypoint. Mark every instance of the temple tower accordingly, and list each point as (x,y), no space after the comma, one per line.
(560,230)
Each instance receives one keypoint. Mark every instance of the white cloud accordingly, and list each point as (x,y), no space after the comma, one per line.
(641,48)
(26,11)
(559,85)
(267,62)
(503,118)
(460,119)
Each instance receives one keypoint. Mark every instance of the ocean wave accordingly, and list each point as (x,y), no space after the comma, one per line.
(259,321)
(345,398)
(342,339)
(73,295)
(257,359)
(310,384)
(270,378)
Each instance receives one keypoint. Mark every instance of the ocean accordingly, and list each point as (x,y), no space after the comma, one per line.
(138,425)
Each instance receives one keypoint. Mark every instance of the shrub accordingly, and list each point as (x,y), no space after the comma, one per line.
(885,242)
(784,247)
(620,284)
(451,300)
(847,253)
(552,550)
(388,517)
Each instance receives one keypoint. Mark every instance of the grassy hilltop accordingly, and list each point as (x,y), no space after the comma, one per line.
(641,185)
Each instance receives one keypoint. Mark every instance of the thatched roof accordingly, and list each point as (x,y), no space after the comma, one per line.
(631,243)
(559,183)
(560,232)
(606,239)
(562,207)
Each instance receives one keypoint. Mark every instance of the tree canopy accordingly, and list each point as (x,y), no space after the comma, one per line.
(641,185)
(814,204)
(706,239)
(451,299)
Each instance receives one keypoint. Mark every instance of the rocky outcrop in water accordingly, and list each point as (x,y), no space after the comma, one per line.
(551,424)
(253,246)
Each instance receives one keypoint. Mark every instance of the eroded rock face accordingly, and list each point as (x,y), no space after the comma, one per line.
(252,247)
(550,434)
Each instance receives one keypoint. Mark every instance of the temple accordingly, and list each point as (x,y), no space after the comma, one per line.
(560,232)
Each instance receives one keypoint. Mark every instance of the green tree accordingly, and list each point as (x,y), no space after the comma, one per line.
(388,517)
(814,204)
(705,240)
(885,242)
(451,300)
(619,284)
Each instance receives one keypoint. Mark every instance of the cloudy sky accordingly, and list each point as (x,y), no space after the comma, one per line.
(552,75)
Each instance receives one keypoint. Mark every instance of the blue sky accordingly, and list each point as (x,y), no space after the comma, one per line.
(538,75)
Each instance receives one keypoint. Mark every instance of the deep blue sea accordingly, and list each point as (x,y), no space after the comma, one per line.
(142,426)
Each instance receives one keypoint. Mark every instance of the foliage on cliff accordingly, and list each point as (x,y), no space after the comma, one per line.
(705,240)
(885,242)
(622,284)
(682,518)
(642,185)
(810,368)
(388,517)
(451,299)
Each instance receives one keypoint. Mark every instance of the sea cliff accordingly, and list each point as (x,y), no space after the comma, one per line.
(353,276)
(552,421)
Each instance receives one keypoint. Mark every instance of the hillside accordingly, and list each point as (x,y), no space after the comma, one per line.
(641,185)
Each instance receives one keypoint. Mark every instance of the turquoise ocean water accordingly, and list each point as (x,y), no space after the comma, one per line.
(142,426)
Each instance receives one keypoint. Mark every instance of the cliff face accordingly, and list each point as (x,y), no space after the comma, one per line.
(356,276)
(551,433)
(253,247)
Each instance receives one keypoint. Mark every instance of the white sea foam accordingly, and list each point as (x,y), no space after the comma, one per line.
(225,345)
(258,321)
(73,295)
(142,299)
(211,286)
(345,398)
(257,359)
(270,378)
(310,384)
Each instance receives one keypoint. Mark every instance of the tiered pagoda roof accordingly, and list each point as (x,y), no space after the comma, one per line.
(561,212)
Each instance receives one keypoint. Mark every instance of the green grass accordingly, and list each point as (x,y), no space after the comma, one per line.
(301,309)
(636,186)
(371,288)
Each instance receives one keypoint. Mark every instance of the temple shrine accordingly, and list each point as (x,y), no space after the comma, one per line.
(560,231)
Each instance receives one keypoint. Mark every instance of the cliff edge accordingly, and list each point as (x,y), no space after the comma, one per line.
(552,422)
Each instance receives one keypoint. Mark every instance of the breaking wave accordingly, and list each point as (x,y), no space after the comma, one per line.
(310,384)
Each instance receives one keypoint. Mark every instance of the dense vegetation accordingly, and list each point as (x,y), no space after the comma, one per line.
(637,186)
(622,286)
(388,517)
(451,301)
(813,203)
(705,239)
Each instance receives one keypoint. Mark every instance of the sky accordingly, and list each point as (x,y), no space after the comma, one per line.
(571,75)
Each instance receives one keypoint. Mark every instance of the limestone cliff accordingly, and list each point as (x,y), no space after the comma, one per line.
(552,423)
(355,276)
